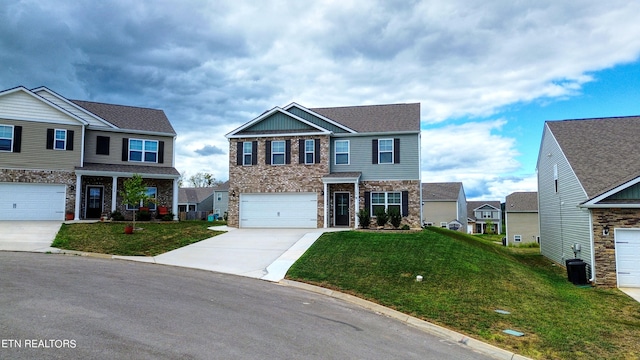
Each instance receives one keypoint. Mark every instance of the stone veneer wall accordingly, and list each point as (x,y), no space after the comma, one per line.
(412,186)
(604,246)
(263,178)
(44,177)
(164,195)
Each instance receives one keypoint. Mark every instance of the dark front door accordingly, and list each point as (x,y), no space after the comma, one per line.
(94,202)
(341,205)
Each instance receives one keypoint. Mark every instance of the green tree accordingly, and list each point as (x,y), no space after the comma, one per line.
(394,217)
(134,193)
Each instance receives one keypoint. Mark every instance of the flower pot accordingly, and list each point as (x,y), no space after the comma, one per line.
(68,216)
(128,229)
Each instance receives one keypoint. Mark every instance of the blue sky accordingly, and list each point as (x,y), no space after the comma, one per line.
(487,74)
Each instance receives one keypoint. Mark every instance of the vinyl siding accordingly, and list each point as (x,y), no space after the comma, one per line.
(360,158)
(75,111)
(34,155)
(316,120)
(278,122)
(439,211)
(524,224)
(115,148)
(562,223)
(22,106)
(462,210)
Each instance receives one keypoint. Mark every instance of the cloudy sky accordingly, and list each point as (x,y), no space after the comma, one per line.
(487,74)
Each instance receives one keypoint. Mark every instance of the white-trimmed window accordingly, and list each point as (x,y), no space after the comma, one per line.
(342,152)
(555,176)
(309,151)
(517,238)
(6,138)
(143,150)
(428,224)
(386,201)
(246,153)
(277,152)
(152,193)
(385,151)
(60,139)
(486,215)
(443,224)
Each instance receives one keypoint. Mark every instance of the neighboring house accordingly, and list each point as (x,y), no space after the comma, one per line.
(589,197)
(444,205)
(484,217)
(213,199)
(300,167)
(62,156)
(521,212)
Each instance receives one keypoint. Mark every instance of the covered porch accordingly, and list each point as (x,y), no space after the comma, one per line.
(342,194)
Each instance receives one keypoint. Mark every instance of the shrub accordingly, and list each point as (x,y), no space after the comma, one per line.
(364,219)
(394,217)
(143,216)
(406,227)
(117,216)
(167,217)
(381,217)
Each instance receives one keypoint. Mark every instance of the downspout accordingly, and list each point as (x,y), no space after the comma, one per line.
(593,255)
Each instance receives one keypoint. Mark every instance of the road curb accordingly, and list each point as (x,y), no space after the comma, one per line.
(475,345)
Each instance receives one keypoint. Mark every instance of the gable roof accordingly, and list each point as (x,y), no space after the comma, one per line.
(194,195)
(130,117)
(375,118)
(522,202)
(448,191)
(601,151)
(473,205)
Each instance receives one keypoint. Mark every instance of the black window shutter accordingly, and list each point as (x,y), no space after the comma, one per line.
(69,140)
(125,149)
(102,145)
(267,152)
(49,138)
(17,138)
(239,152)
(367,201)
(160,152)
(254,152)
(287,151)
(396,151)
(317,151)
(405,203)
(374,151)
(301,152)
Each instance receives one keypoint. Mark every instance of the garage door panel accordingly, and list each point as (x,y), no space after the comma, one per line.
(628,257)
(279,210)
(32,201)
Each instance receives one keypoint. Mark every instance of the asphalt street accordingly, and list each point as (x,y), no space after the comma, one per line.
(72,307)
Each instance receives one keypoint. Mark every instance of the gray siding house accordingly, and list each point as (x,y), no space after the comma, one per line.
(444,205)
(69,158)
(484,217)
(521,218)
(209,200)
(310,168)
(589,197)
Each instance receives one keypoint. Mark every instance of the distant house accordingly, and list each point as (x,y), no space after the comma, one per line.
(521,218)
(484,217)
(444,205)
(589,197)
(209,200)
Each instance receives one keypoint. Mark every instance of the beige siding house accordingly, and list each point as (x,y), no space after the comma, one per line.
(521,218)
(444,205)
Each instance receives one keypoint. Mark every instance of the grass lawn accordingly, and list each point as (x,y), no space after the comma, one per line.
(155,237)
(466,279)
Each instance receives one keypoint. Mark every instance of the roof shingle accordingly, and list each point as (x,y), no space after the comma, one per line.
(522,202)
(375,118)
(441,191)
(130,117)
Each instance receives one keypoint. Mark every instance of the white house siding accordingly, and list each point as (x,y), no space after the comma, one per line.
(71,109)
(562,222)
(22,106)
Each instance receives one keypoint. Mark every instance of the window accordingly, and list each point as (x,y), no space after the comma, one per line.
(247,150)
(102,145)
(152,193)
(386,201)
(219,197)
(309,151)
(555,176)
(6,138)
(486,215)
(143,150)
(277,152)
(443,224)
(385,151)
(60,142)
(428,224)
(342,152)
(517,238)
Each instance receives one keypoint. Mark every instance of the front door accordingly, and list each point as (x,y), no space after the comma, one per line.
(94,202)
(341,208)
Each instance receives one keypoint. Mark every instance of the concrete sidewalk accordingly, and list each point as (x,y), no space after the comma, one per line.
(32,236)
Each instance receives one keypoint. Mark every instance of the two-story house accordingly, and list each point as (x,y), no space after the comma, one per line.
(310,168)
(206,200)
(521,218)
(484,217)
(62,156)
(589,197)
(444,205)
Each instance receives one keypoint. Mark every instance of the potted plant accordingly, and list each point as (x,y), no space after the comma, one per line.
(134,193)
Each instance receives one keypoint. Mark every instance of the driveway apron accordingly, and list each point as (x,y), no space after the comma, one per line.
(34,236)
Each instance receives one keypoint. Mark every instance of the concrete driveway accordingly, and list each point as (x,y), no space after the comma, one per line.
(34,236)
(263,254)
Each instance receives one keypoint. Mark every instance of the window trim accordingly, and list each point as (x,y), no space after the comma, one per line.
(386,151)
(312,152)
(517,238)
(245,154)
(335,151)
(386,201)
(55,139)
(283,153)
(143,151)
(443,224)
(12,139)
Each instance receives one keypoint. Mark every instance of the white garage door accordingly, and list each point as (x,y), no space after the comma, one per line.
(281,210)
(628,257)
(32,201)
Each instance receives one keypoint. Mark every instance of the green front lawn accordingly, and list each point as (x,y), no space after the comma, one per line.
(466,279)
(154,238)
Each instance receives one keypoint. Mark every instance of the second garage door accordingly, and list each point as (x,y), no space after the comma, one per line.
(32,201)
(628,257)
(281,210)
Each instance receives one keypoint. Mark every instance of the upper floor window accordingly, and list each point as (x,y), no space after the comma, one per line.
(555,176)
(342,152)
(277,152)
(60,141)
(385,151)
(143,150)
(309,151)
(247,151)
(6,138)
